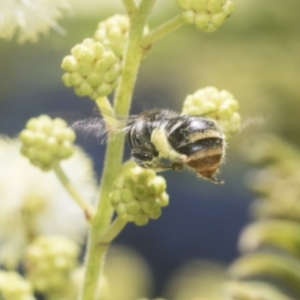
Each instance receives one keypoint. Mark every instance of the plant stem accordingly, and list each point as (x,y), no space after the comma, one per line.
(113,230)
(104,105)
(130,6)
(96,250)
(88,209)
(132,58)
(107,112)
(161,31)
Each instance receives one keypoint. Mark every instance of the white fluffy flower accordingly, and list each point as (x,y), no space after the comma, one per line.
(33,202)
(29,18)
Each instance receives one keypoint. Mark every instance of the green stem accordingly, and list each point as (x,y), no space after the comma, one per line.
(113,230)
(104,106)
(132,58)
(161,31)
(114,153)
(88,209)
(130,6)
(107,112)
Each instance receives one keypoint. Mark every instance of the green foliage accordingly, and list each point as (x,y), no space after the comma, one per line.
(271,245)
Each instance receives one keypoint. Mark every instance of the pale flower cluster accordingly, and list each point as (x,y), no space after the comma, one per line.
(34,202)
(29,18)
(14,287)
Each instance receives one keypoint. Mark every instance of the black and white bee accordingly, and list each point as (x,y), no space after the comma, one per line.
(162,139)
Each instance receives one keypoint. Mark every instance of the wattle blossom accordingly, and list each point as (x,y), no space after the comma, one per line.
(27,19)
(34,202)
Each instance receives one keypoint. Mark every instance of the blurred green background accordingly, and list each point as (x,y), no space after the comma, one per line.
(255,55)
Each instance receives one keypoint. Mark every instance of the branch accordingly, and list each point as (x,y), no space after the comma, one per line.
(114,152)
(161,31)
(88,209)
(130,7)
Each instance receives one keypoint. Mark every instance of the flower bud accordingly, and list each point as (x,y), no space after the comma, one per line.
(139,195)
(49,261)
(218,105)
(47,141)
(207,15)
(14,287)
(113,33)
(92,69)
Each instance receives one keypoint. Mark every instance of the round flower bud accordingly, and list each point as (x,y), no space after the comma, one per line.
(215,104)
(92,69)
(207,15)
(113,33)
(14,287)
(46,141)
(49,262)
(139,195)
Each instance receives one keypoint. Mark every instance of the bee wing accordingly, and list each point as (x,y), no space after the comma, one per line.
(102,126)
(92,126)
(106,125)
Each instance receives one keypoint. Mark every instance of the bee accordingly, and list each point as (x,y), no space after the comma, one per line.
(162,139)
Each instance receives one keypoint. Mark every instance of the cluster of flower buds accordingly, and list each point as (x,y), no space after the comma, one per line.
(113,33)
(92,69)
(49,261)
(218,105)
(14,287)
(47,141)
(207,15)
(139,195)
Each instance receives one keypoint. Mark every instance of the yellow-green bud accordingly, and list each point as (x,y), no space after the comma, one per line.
(49,261)
(139,195)
(113,33)
(218,105)
(207,15)
(47,141)
(14,287)
(92,69)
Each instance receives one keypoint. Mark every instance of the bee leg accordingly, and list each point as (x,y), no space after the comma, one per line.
(177,166)
(153,164)
(149,160)
(143,158)
(159,167)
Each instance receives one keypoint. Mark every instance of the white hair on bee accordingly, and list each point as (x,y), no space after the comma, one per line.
(104,126)
(253,121)
(93,126)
